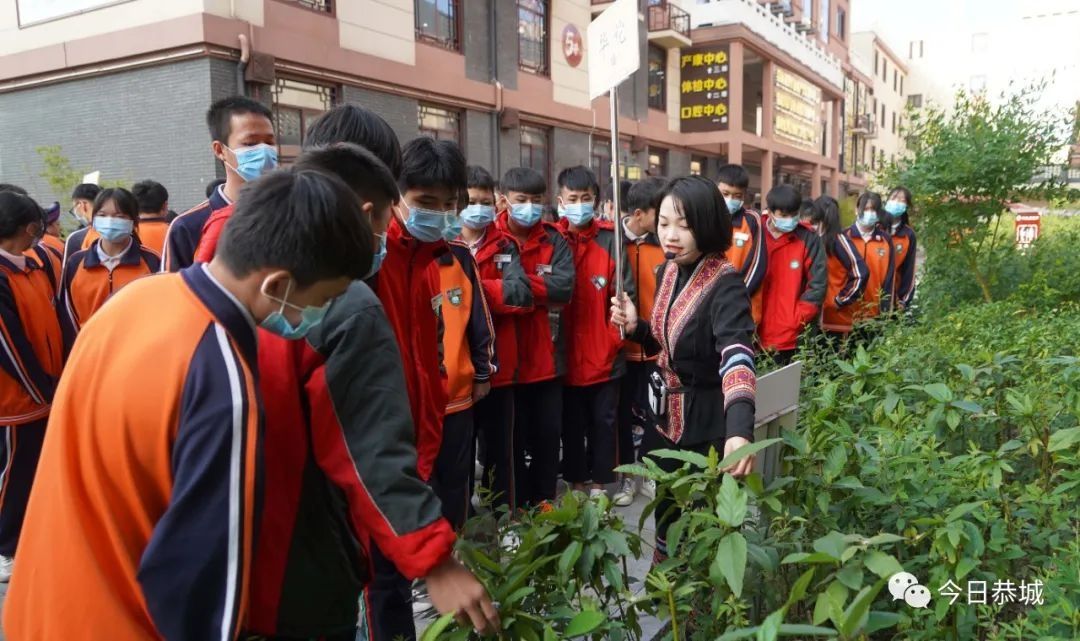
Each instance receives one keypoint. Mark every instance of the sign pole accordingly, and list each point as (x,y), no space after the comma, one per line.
(616,199)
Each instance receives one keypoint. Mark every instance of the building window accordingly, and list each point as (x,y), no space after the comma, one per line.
(885,69)
(915,101)
(875,62)
(658,162)
(324,6)
(437,22)
(895,78)
(440,123)
(533,36)
(882,116)
(841,23)
(296,105)
(534,149)
(894,122)
(823,21)
(697,165)
(657,78)
(901,86)
(600,161)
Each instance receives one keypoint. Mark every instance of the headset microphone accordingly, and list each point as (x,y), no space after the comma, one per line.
(670,255)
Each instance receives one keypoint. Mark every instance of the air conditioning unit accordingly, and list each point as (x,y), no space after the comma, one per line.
(806,25)
(782,8)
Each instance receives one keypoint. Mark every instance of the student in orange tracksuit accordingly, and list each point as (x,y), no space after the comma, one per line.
(748,252)
(468,348)
(645,257)
(897,211)
(848,273)
(47,253)
(112,261)
(876,248)
(142,522)
(82,199)
(52,239)
(594,357)
(31,353)
(507,291)
(153,201)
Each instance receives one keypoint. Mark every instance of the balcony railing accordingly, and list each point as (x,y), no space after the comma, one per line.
(666,15)
(865,126)
(325,6)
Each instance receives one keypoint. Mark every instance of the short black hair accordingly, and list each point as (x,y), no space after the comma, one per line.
(213,185)
(365,174)
(360,126)
(734,175)
(122,198)
(708,217)
(807,207)
(427,162)
(624,193)
(308,223)
(151,196)
(219,116)
(85,191)
(525,180)
(905,218)
(479,178)
(871,198)
(579,178)
(783,198)
(643,193)
(17,210)
(14,188)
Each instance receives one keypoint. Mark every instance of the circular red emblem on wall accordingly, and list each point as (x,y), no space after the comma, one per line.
(573,47)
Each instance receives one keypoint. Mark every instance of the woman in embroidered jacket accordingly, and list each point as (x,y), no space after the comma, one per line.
(702,329)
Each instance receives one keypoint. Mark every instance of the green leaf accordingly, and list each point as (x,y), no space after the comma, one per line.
(731,561)
(584,623)
(569,557)
(821,608)
(881,620)
(801,630)
(832,544)
(806,557)
(798,590)
(549,633)
(770,627)
(435,629)
(731,502)
(686,456)
(519,595)
(615,542)
(965,566)
(884,537)
(881,564)
(746,450)
(590,520)
(834,462)
(613,574)
(860,606)
(939,392)
(968,406)
(961,510)
(851,576)
(1064,439)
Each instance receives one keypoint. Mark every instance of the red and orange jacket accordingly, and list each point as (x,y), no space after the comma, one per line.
(142,518)
(848,276)
(469,334)
(87,284)
(185,230)
(794,286)
(211,234)
(594,351)
(549,266)
(749,255)
(508,295)
(878,254)
(409,288)
(32,344)
(152,231)
(904,257)
(645,257)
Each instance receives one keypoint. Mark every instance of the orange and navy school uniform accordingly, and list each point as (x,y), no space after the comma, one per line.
(46,256)
(152,231)
(879,255)
(595,358)
(904,257)
(87,283)
(848,276)
(142,518)
(55,243)
(78,240)
(185,231)
(794,286)
(33,346)
(749,254)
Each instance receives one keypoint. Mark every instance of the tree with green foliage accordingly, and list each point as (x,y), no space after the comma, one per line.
(56,169)
(964,165)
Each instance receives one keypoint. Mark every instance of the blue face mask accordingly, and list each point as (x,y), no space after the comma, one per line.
(868,218)
(254,161)
(477,217)
(453,227)
(276,322)
(112,228)
(377,260)
(426,225)
(526,214)
(733,205)
(577,213)
(785,225)
(896,208)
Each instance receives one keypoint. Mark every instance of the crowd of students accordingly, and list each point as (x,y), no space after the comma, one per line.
(336,343)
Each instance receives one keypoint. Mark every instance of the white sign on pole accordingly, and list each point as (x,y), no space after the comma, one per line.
(613,48)
(93,178)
